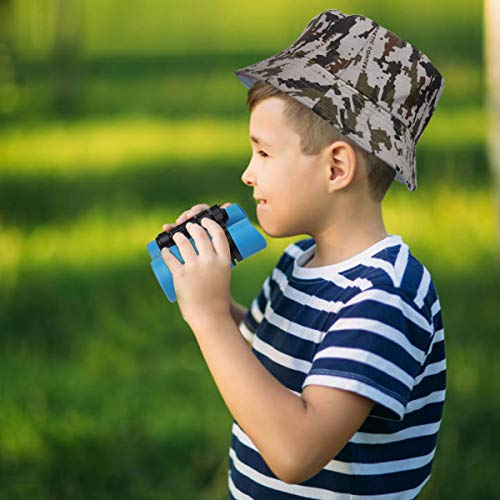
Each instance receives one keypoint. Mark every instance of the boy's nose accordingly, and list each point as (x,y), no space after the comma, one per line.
(247,178)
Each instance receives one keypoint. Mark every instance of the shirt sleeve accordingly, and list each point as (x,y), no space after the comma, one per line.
(255,313)
(375,347)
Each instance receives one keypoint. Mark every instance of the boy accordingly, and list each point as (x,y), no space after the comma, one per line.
(342,392)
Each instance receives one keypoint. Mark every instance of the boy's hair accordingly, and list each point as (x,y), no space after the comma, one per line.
(316,134)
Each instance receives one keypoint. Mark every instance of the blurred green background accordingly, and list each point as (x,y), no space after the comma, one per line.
(116,116)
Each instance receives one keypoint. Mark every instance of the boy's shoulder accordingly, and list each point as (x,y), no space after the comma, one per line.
(391,267)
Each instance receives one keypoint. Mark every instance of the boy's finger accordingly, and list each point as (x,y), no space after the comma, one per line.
(184,216)
(196,209)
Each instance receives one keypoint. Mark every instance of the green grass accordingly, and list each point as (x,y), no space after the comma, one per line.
(105,393)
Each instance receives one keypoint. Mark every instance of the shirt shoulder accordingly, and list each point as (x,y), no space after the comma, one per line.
(396,270)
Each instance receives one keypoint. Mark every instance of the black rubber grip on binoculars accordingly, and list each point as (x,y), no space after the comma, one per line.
(215,212)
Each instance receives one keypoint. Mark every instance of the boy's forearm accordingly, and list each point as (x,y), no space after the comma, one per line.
(238,312)
(264,408)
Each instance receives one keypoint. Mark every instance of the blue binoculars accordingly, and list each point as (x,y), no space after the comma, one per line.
(244,240)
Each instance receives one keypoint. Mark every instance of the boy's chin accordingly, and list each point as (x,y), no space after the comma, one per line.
(277,232)
(273,228)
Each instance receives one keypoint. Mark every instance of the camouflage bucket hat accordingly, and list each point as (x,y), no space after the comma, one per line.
(374,87)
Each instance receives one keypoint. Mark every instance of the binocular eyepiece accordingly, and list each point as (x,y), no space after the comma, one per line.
(244,240)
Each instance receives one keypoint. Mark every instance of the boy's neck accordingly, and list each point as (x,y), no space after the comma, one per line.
(345,238)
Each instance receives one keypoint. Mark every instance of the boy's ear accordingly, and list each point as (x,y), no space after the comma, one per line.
(342,165)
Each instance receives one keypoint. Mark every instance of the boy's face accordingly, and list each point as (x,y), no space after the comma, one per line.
(293,184)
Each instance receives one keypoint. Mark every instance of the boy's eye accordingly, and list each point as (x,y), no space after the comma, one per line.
(264,155)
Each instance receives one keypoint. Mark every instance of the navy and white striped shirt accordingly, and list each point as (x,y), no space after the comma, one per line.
(370,324)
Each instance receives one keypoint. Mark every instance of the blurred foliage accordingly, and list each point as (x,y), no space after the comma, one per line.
(104,391)
(169,55)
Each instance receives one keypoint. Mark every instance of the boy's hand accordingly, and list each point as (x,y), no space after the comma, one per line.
(202,283)
(196,209)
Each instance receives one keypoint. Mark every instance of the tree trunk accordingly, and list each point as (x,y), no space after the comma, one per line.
(67,57)
(8,89)
(492,51)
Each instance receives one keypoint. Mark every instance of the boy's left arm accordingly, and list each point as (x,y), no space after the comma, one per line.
(296,436)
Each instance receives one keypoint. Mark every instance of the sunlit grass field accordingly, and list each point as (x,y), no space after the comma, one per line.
(105,394)
(104,388)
